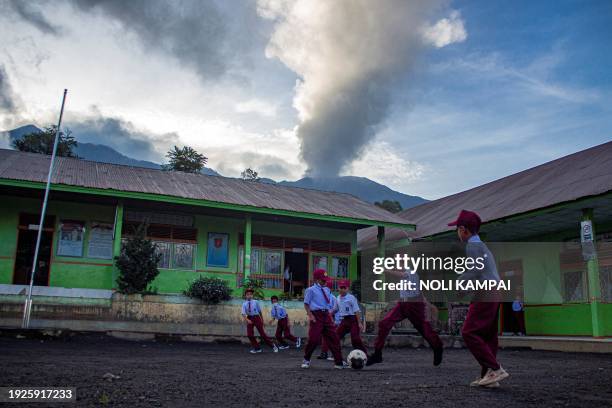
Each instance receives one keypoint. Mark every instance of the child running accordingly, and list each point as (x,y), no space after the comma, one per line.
(279,314)
(347,308)
(411,306)
(251,313)
(480,328)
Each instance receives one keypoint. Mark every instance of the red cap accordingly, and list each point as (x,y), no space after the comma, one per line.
(344,283)
(468,219)
(318,274)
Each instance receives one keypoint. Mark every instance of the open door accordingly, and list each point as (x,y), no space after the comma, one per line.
(512,322)
(296,273)
(26,244)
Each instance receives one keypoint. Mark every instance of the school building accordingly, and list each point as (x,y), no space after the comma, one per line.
(202,225)
(551,230)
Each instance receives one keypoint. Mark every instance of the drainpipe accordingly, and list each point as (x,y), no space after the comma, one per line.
(594,283)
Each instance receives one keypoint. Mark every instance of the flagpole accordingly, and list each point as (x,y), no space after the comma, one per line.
(27,308)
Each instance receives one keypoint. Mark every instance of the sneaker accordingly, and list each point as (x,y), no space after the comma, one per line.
(493,376)
(298,343)
(305,364)
(275,348)
(438,356)
(255,351)
(341,366)
(376,358)
(330,358)
(283,347)
(476,382)
(322,356)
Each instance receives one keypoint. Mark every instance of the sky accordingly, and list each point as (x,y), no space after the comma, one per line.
(427,97)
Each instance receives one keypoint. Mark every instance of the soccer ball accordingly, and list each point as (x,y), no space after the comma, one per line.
(356,359)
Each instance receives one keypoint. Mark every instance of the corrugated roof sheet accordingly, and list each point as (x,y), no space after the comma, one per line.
(15,165)
(582,174)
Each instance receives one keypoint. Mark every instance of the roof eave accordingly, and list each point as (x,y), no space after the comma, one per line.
(204,203)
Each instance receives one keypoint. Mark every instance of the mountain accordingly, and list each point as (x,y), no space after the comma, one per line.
(361,187)
(99,153)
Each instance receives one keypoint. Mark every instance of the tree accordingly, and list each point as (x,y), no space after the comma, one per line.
(42,142)
(185,159)
(137,264)
(250,175)
(391,206)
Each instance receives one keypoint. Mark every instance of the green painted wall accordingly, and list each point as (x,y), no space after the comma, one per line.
(69,272)
(563,320)
(85,272)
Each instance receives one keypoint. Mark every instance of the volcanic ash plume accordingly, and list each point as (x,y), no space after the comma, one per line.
(349,55)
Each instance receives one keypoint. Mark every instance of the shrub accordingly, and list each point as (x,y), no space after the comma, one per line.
(255,284)
(137,264)
(210,290)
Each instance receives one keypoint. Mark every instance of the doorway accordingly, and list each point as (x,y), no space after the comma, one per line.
(512,322)
(26,244)
(296,268)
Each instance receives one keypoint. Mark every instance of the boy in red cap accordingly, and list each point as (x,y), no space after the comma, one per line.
(480,328)
(318,305)
(348,311)
(251,313)
(411,305)
(335,318)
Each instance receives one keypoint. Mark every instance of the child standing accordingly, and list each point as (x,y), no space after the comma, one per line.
(411,306)
(317,302)
(348,311)
(280,314)
(251,313)
(480,328)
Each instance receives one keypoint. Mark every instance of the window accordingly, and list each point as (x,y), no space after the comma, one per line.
(340,267)
(255,254)
(573,286)
(183,256)
(165,249)
(319,262)
(176,255)
(271,263)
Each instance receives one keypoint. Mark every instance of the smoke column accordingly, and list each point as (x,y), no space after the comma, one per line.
(348,55)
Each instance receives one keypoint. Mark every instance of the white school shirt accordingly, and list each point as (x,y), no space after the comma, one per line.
(411,277)
(347,305)
(255,308)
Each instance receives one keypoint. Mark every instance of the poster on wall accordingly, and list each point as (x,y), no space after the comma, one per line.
(100,241)
(71,236)
(218,249)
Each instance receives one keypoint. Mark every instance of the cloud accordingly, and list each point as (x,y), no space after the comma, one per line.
(199,34)
(381,163)
(121,135)
(7,97)
(446,31)
(27,12)
(257,106)
(349,56)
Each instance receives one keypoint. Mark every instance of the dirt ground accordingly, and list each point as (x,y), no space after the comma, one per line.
(175,374)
